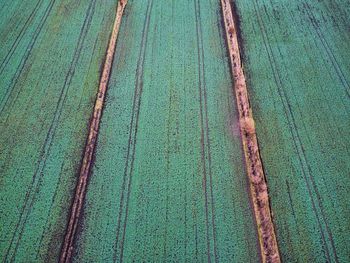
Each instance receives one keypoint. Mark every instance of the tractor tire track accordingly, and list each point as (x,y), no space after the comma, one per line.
(205,142)
(10,89)
(306,170)
(327,48)
(38,174)
(68,245)
(133,129)
(19,37)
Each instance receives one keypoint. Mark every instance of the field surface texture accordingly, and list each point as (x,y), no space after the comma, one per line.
(50,57)
(167,181)
(297,62)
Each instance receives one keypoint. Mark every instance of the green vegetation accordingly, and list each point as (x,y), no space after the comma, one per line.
(168,182)
(297,61)
(50,57)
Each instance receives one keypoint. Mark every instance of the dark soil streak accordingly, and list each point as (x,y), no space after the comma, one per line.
(208,145)
(132,136)
(37,177)
(328,50)
(19,37)
(258,184)
(306,170)
(53,200)
(25,58)
(68,245)
(201,85)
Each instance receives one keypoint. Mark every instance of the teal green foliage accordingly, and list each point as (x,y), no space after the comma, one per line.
(50,57)
(168,182)
(297,61)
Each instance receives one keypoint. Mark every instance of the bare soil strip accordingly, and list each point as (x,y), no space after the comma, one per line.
(258,185)
(67,247)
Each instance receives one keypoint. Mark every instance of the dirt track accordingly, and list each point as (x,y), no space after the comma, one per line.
(172,169)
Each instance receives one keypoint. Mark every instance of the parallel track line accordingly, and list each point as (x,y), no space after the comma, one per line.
(130,157)
(67,247)
(306,169)
(10,89)
(256,176)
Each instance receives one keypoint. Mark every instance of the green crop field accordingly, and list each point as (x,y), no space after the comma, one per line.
(297,59)
(50,55)
(168,180)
